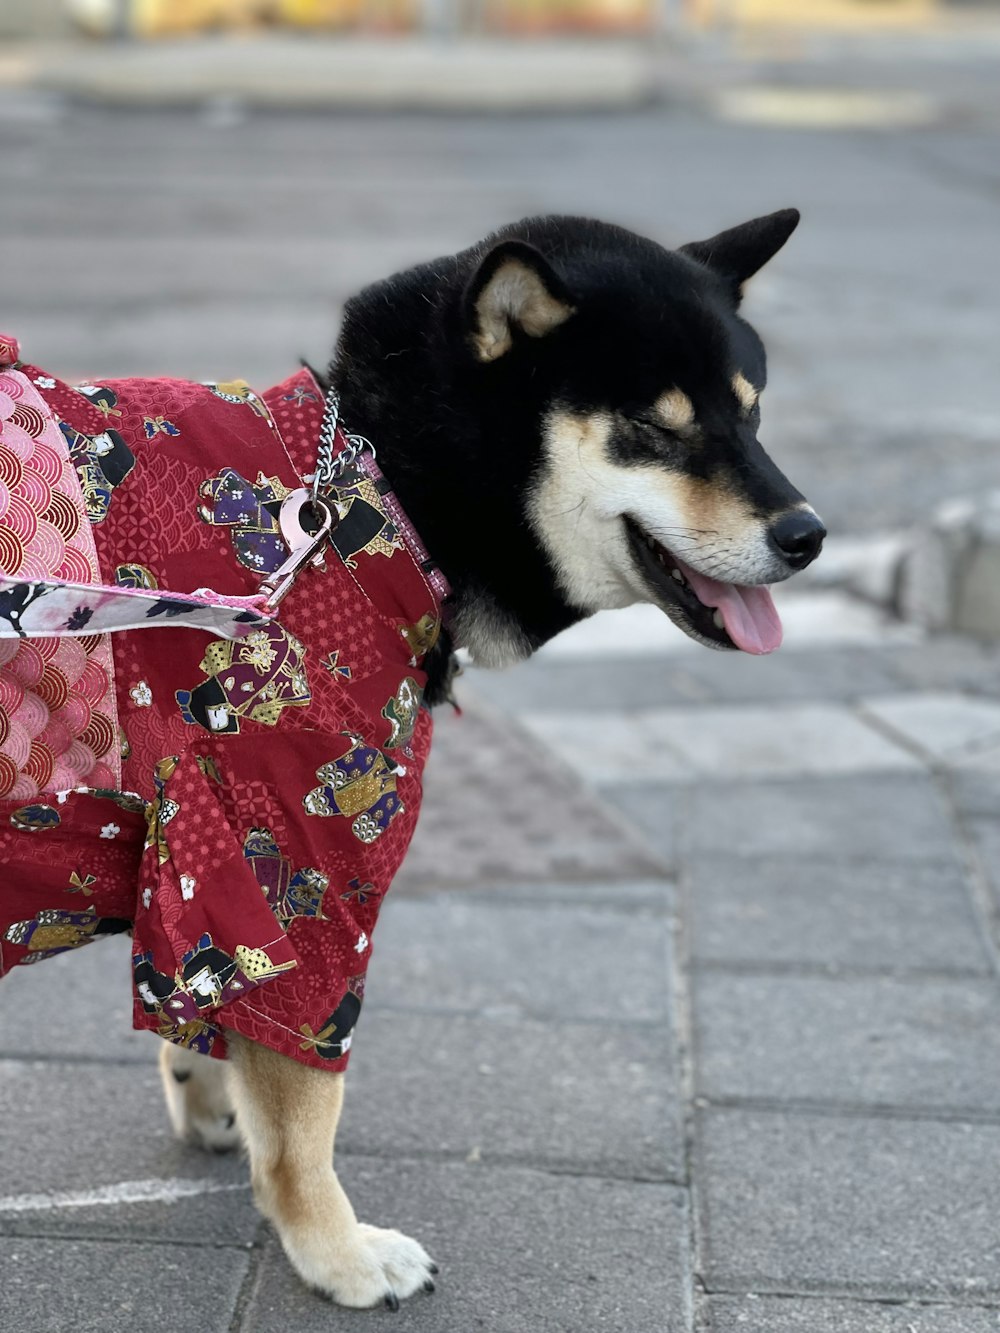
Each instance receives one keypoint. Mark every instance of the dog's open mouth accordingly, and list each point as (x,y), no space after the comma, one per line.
(720,615)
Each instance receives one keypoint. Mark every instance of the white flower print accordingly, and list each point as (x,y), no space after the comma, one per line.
(141,695)
(110,831)
(45,381)
(147,898)
(188,883)
(362,943)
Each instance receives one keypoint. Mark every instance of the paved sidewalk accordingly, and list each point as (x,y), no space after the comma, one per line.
(684,1015)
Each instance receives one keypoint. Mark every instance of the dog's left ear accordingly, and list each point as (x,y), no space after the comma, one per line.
(738,253)
(514,290)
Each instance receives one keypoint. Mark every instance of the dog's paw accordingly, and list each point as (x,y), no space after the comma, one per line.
(382,1268)
(197,1097)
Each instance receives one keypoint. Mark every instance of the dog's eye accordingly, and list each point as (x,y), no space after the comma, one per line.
(652,423)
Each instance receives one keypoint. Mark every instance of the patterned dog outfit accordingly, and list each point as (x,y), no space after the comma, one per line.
(236,790)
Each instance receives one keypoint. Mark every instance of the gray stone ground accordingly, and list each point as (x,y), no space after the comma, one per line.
(684,1014)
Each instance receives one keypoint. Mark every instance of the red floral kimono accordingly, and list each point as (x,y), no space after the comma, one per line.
(234,789)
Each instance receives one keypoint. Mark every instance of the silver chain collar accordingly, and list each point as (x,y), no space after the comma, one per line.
(329,468)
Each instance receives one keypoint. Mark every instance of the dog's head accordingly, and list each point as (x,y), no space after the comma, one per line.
(649,482)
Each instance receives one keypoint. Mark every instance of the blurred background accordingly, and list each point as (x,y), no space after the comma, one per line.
(193,188)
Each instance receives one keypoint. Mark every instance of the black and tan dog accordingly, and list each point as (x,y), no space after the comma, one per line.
(568,414)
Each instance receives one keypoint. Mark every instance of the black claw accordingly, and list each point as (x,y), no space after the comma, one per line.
(435,1269)
(392,1301)
(429,1285)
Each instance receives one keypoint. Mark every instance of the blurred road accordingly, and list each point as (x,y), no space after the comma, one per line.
(215,242)
(685,1016)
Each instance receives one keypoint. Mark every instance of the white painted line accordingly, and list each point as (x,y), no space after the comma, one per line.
(126,1191)
(826,108)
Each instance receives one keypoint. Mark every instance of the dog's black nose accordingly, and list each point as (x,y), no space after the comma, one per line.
(798,535)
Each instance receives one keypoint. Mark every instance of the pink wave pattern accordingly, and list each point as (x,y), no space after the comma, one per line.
(58,719)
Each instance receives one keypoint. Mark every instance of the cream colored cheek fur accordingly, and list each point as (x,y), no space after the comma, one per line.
(576,508)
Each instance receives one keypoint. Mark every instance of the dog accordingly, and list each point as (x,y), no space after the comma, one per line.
(567,415)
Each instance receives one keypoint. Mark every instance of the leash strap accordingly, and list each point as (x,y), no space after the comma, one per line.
(50,608)
(48,585)
(35,603)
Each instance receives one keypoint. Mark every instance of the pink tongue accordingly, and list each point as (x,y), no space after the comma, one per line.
(749,615)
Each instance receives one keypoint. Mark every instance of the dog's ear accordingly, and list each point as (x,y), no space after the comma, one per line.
(514,289)
(738,253)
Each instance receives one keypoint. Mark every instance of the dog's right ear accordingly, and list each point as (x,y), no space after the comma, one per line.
(514,290)
(738,253)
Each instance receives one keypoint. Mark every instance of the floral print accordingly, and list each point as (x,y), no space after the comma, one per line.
(238,799)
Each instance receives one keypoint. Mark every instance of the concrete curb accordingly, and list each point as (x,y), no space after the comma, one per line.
(319,72)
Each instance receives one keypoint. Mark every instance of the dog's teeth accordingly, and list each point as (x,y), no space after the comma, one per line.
(661,556)
(717,620)
(676,574)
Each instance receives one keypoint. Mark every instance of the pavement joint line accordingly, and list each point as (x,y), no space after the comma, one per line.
(683,1031)
(248,1287)
(953,1298)
(683,1028)
(834,862)
(838,971)
(541,902)
(976,879)
(787,1293)
(85,1233)
(934,763)
(826,1110)
(513,1015)
(488,1161)
(75,1058)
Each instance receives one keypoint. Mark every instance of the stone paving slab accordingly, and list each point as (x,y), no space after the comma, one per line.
(856,819)
(506,810)
(94,1287)
(865,915)
(947,662)
(601,1098)
(446,953)
(897,1208)
(735,741)
(74,1131)
(915,1043)
(518,1250)
(763,1314)
(561,685)
(946,726)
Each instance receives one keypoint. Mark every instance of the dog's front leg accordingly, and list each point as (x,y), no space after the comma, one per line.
(288,1114)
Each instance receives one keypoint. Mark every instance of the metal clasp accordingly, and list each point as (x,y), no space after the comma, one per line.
(306,548)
